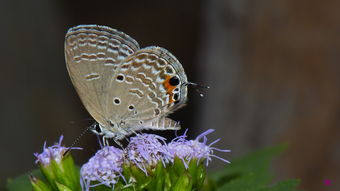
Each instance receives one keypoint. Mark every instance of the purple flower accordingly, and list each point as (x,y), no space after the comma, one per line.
(189,149)
(104,167)
(146,150)
(55,152)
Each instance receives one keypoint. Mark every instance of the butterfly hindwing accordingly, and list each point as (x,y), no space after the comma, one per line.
(141,90)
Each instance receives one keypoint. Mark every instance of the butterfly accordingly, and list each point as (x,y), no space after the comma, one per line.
(123,87)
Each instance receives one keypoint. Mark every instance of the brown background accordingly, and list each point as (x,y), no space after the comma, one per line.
(273,68)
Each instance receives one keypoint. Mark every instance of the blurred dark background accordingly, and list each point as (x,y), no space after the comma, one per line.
(273,68)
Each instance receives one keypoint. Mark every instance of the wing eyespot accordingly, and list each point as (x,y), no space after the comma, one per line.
(176,96)
(174,81)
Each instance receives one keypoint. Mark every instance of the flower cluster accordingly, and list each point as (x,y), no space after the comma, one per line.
(146,152)
(55,152)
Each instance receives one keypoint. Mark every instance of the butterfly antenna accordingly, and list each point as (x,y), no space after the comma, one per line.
(198,87)
(77,139)
(72,122)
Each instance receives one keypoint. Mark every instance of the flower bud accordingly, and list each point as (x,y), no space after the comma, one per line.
(57,165)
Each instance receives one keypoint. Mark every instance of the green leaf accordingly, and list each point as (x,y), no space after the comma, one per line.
(62,187)
(208,185)
(158,178)
(251,173)
(249,182)
(48,172)
(287,185)
(71,171)
(167,180)
(22,182)
(39,185)
(138,175)
(178,166)
(197,171)
(183,183)
(253,163)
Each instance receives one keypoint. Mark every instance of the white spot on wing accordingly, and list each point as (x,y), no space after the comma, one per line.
(116,101)
(92,76)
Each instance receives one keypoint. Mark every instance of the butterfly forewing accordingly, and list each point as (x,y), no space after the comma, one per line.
(93,54)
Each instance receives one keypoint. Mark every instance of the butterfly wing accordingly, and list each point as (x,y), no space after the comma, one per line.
(144,92)
(92,55)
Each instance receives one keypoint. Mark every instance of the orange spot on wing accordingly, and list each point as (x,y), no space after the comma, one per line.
(169,88)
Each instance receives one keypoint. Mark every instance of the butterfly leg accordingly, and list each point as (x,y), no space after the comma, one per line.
(115,139)
(105,141)
(118,143)
(134,132)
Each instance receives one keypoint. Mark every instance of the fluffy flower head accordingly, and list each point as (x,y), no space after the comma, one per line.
(189,149)
(146,150)
(55,152)
(104,167)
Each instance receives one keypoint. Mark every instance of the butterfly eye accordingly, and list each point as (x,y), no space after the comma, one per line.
(98,129)
(174,81)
